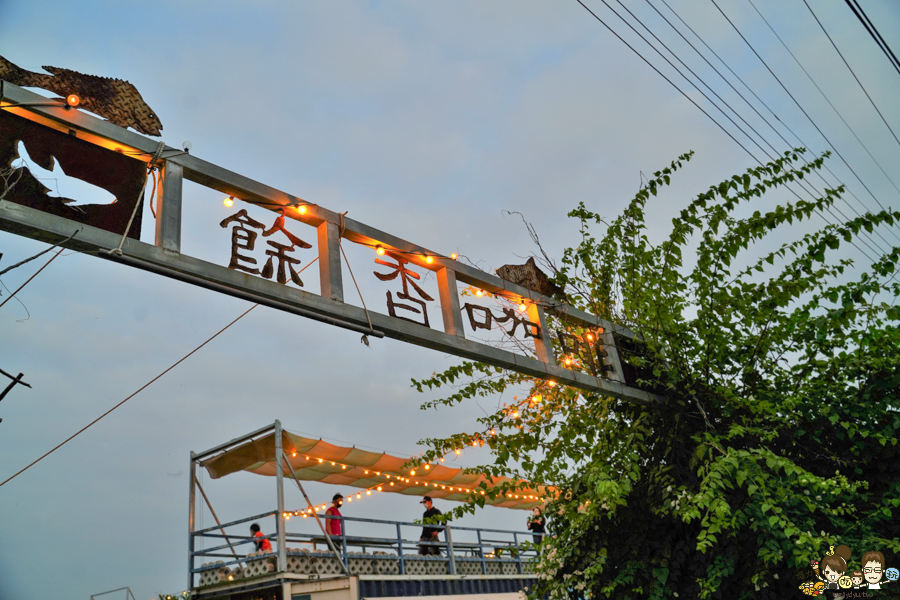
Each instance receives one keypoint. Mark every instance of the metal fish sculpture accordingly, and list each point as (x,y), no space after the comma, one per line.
(115,100)
(531,277)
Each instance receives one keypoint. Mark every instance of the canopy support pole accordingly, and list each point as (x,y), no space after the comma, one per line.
(218,522)
(191,515)
(280,521)
(316,515)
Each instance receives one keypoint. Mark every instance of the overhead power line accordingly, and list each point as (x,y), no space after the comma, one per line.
(870,27)
(840,116)
(788,92)
(139,390)
(728,133)
(772,112)
(852,72)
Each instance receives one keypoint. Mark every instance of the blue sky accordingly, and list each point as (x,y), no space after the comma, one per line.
(426,120)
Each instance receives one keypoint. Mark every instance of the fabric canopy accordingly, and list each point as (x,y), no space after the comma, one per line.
(315,460)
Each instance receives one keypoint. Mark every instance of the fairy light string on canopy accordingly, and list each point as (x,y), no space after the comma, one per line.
(394,480)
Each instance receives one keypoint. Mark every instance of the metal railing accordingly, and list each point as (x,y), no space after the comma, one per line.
(391,539)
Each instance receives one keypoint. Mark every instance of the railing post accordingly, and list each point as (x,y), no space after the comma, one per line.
(518,553)
(168,207)
(450,549)
(331,283)
(481,553)
(191,515)
(344,543)
(279,483)
(400,551)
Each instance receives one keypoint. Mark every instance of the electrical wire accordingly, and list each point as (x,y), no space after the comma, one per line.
(840,116)
(142,388)
(870,27)
(802,184)
(699,107)
(851,70)
(767,107)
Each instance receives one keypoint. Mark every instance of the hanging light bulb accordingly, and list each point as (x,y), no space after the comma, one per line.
(523,307)
(350,499)
(228,202)
(379,250)
(457,451)
(427,467)
(73,100)
(392,483)
(442,459)
(301,209)
(379,488)
(479,293)
(293,454)
(413,473)
(429,259)
(590,336)
(454,255)
(368,492)
(358,496)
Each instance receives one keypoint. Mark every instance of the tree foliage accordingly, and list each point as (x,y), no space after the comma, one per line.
(777,436)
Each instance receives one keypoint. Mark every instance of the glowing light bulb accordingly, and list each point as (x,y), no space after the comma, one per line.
(516,415)
(228,202)
(367,472)
(552,383)
(358,496)
(590,336)
(568,361)
(457,451)
(442,459)
(301,209)
(429,259)
(427,467)
(475,443)
(392,483)
(73,100)
(479,293)
(368,492)
(412,473)
(523,307)
(332,463)
(350,499)
(379,250)
(379,488)
(454,255)
(343,466)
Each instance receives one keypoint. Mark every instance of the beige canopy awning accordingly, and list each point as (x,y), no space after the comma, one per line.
(315,460)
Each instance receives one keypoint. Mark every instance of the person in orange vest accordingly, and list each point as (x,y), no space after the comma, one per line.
(333,526)
(262,545)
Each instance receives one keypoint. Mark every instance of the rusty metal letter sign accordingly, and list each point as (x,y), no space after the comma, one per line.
(509,314)
(406,277)
(114,159)
(243,238)
(590,351)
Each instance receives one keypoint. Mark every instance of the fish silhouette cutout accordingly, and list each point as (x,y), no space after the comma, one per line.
(116,100)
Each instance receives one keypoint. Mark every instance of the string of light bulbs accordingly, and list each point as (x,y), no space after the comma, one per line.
(379,487)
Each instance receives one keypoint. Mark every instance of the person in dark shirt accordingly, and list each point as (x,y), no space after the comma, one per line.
(429,534)
(536,523)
